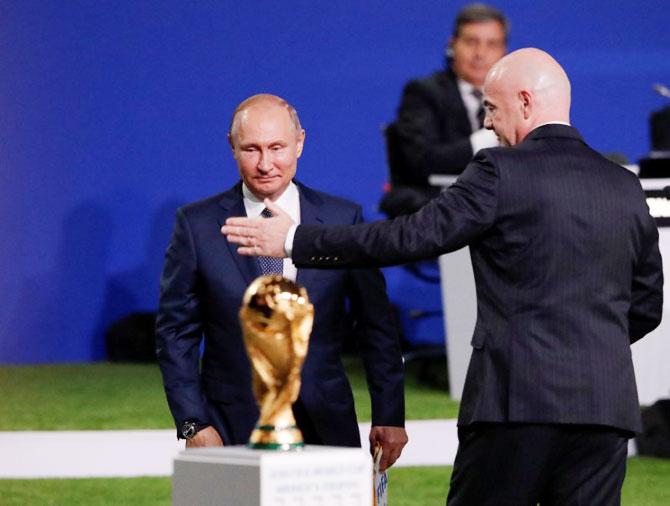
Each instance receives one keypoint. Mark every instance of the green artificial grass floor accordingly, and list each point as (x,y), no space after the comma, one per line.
(647,484)
(104,396)
(113,396)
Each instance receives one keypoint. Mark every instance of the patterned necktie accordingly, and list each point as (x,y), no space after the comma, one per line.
(270,265)
(480,112)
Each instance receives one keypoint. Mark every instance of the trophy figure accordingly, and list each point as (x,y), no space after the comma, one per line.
(276,319)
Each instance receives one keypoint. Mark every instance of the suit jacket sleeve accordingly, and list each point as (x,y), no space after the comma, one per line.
(646,306)
(378,344)
(429,146)
(452,220)
(179,329)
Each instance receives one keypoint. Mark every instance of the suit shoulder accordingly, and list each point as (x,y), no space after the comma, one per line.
(332,209)
(489,157)
(625,178)
(334,201)
(202,206)
(628,178)
(434,79)
(433,83)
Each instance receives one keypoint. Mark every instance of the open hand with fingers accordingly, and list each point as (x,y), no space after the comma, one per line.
(260,236)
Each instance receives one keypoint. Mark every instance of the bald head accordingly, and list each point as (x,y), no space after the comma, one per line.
(529,88)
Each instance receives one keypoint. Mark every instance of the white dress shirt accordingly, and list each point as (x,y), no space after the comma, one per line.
(289,201)
(472,103)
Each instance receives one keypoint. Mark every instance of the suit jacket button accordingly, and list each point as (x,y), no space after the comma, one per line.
(335,259)
(313,258)
(327,259)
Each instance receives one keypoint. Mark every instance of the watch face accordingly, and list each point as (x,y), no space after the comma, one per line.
(188,430)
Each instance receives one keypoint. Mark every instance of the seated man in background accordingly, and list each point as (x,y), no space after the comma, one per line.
(440,118)
(203,282)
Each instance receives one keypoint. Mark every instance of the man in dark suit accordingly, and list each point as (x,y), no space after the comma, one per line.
(201,292)
(439,125)
(568,275)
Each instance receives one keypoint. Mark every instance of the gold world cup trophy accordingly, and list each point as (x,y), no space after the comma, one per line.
(276,318)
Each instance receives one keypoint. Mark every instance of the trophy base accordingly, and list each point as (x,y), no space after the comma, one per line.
(271,437)
(234,475)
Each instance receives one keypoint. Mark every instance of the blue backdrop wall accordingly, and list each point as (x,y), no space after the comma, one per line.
(114,113)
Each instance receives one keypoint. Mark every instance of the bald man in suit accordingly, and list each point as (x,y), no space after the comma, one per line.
(568,275)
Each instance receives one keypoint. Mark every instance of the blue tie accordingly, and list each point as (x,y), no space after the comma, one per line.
(270,265)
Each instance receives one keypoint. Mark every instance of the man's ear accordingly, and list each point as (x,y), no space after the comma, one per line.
(526,100)
(449,49)
(230,142)
(301,143)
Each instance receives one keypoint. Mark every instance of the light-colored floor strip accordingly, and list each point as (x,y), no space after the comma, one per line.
(126,453)
(70,454)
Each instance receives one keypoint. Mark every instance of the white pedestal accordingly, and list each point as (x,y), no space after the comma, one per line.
(238,476)
(459,304)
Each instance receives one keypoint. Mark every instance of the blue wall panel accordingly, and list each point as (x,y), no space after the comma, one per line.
(114,113)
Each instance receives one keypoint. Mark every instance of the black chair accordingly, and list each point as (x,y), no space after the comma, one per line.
(404,193)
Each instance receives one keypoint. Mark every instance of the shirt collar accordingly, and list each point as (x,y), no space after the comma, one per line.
(289,201)
(553,123)
(464,87)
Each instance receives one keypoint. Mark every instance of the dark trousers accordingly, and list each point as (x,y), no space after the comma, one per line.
(527,464)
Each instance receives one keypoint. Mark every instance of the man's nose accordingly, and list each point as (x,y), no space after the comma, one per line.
(488,123)
(480,50)
(264,163)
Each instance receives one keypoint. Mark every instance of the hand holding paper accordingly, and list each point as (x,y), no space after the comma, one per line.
(391,440)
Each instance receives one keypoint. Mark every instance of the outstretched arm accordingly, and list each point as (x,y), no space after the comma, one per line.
(449,222)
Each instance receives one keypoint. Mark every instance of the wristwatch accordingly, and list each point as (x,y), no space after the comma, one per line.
(190,429)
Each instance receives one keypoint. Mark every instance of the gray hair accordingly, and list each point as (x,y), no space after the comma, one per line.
(479,13)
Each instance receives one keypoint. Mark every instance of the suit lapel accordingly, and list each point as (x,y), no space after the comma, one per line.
(311,213)
(233,205)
